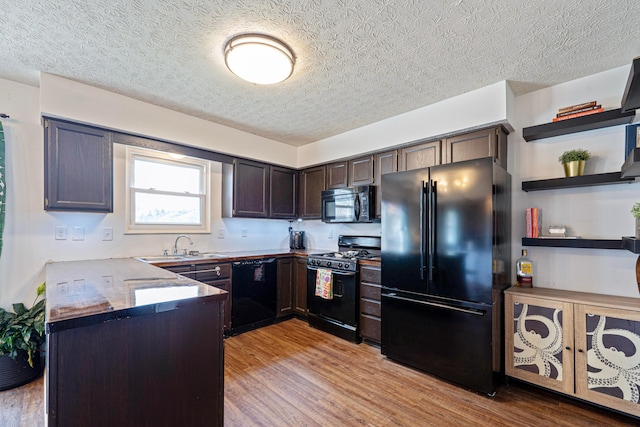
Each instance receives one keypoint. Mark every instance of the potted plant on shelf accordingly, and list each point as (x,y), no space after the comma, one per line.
(21,338)
(573,161)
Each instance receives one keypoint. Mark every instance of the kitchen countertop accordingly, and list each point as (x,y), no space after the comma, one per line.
(244,255)
(80,293)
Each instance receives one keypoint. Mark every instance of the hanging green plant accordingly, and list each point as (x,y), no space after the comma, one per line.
(3,187)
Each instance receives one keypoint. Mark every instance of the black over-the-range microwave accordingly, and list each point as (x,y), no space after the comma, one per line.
(350,204)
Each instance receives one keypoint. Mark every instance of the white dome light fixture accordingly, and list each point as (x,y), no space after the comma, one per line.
(259,59)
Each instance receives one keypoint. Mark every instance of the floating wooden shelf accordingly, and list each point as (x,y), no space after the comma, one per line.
(575,243)
(631,96)
(631,166)
(578,124)
(631,244)
(576,181)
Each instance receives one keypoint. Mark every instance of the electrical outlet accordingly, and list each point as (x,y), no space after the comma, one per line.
(220,233)
(78,233)
(107,233)
(330,234)
(244,232)
(61,232)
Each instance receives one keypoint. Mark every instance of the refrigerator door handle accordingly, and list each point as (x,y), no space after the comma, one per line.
(431,206)
(435,304)
(423,226)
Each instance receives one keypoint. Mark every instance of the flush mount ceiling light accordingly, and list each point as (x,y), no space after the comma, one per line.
(259,59)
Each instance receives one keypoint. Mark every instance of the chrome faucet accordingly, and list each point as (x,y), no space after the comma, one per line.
(175,245)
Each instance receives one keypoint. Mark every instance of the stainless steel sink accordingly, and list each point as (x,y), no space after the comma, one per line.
(189,257)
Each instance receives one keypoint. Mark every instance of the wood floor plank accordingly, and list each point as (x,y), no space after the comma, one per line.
(290,374)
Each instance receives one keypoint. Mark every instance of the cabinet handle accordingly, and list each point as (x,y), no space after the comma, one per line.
(217,270)
(567,348)
(580,350)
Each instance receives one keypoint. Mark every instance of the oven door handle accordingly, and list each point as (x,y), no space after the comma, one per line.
(337,272)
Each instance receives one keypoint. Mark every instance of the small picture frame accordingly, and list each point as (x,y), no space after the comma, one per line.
(632,139)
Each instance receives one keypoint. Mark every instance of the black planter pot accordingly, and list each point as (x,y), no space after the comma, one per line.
(14,373)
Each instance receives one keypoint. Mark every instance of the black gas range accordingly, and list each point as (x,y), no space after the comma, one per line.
(339,314)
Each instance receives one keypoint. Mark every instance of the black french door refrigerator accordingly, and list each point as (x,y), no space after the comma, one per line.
(446,257)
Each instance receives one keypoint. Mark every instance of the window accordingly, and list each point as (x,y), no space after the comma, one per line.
(166,194)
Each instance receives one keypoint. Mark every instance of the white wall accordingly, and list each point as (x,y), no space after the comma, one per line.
(63,98)
(590,212)
(472,110)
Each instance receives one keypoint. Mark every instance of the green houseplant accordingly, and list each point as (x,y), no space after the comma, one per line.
(573,161)
(22,335)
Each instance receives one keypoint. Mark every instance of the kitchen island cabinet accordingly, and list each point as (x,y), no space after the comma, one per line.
(580,344)
(129,344)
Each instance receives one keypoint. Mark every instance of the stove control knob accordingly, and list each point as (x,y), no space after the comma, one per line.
(328,263)
(346,266)
(339,265)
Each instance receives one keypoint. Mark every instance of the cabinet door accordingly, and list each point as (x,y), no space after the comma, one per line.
(337,175)
(608,357)
(225,285)
(250,189)
(539,341)
(370,290)
(285,287)
(484,143)
(383,163)
(78,168)
(420,156)
(300,287)
(312,184)
(283,202)
(361,171)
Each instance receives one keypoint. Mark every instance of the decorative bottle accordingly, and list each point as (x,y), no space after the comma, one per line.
(524,271)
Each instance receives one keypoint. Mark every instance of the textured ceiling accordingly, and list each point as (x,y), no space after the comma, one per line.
(358,62)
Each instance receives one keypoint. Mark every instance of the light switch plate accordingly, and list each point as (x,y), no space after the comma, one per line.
(78,233)
(244,232)
(220,233)
(107,233)
(61,232)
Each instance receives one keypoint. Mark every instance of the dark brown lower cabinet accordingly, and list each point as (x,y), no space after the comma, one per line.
(370,288)
(158,369)
(300,287)
(285,287)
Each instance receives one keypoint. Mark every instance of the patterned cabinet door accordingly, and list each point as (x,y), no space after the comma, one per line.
(539,341)
(608,357)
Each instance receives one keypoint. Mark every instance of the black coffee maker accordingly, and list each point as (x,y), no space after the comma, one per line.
(296,239)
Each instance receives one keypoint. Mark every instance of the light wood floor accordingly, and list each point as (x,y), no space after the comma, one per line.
(290,374)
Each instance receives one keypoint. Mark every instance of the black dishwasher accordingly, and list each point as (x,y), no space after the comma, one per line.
(253,294)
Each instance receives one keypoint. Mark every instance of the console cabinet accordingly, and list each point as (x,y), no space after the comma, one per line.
(78,168)
(580,344)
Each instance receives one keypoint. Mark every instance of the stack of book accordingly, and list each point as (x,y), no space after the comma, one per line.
(534,222)
(578,110)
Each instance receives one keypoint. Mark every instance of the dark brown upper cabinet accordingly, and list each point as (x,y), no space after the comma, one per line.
(245,189)
(420,156)
(312,184)
(283,201)
(474,145)
(337,175)
(78,168)
(361,171)
(383,163)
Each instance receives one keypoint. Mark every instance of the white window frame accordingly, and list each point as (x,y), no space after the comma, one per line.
(133,153)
